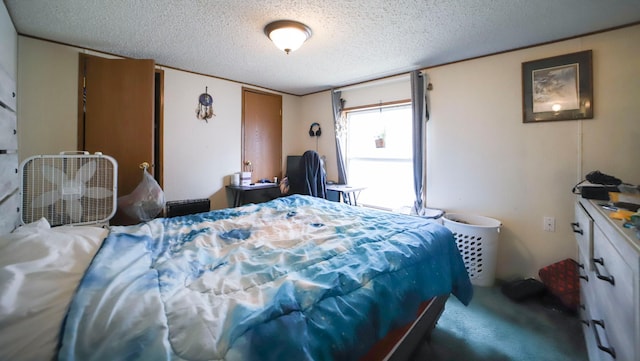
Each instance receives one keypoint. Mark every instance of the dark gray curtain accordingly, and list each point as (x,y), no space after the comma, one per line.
(340,128)
(420,116)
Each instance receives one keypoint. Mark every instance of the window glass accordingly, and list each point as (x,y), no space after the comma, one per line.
(380,157)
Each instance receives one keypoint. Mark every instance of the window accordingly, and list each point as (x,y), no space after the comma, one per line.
(384,167)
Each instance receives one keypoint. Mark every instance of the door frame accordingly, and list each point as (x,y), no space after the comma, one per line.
(157,167)
(242,140)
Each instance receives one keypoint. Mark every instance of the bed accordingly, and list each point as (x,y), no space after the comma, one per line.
(296,278)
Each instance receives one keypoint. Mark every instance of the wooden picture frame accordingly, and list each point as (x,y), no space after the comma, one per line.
(558,88)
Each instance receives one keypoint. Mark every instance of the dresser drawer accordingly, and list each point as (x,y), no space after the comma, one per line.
(611,255)
(583,230)
(613,287)
(587,292)
(586,316)
(585,313)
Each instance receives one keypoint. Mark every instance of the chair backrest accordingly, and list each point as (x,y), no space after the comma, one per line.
(295,174)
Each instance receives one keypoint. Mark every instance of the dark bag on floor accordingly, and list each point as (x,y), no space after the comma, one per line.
(521,290)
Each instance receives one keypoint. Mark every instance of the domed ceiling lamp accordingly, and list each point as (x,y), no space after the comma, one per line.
(287,35)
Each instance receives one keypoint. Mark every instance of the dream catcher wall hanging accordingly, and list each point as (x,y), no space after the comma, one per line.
(205,106)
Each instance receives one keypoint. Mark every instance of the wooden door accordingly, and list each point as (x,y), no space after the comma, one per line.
(262,133)
(117,117)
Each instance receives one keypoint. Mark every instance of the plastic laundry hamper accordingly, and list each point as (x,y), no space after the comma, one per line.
(477,240)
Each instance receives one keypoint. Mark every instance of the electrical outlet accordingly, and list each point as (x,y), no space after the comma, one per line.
(549,224)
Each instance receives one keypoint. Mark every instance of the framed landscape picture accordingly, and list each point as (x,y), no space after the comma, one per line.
(558,88)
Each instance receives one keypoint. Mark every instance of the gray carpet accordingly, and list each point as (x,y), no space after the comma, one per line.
(495,328)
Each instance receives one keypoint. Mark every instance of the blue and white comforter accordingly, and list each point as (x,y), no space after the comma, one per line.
(297,278)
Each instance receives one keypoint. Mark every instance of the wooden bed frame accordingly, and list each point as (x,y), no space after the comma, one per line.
(401,343)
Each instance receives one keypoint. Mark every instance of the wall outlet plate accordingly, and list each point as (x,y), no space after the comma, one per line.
(549,224)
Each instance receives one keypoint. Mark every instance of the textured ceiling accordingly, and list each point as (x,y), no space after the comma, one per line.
(352,41)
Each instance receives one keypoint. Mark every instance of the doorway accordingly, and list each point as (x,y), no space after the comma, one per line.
(120,114)
(261,134)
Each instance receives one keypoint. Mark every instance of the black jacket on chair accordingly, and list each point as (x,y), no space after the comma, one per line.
(313,179)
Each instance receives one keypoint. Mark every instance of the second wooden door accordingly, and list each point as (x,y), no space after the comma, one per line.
(262,134)
(116,115)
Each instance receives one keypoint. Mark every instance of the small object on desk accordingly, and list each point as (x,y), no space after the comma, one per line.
(621,214)
(235,179)
(627,205)
(245,178)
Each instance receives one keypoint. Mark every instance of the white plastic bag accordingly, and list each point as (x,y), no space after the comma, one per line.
(145,202)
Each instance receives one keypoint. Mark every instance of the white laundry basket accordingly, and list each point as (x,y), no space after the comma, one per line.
(477,240)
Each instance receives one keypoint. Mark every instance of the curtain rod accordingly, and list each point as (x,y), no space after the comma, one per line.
(374,82)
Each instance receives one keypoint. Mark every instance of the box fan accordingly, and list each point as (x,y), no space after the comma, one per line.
(76,189)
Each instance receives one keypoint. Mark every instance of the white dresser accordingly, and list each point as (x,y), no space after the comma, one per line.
(609,257)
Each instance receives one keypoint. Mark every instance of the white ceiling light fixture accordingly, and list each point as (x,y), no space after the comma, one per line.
(287,35)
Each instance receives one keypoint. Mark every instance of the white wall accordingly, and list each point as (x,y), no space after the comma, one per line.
(198,156)
(317,108)
(48,101)
(47,105)
(611,142)
(397,88)
(483,160)
(291,128)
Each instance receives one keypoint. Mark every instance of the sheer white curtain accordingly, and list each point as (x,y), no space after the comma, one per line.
(340,122)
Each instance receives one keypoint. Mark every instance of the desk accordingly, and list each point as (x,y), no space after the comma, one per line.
(257,193)
(349,193)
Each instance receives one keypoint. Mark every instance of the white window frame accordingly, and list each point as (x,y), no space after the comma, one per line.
(395,184)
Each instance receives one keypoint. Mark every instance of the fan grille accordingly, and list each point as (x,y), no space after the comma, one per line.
(68,189)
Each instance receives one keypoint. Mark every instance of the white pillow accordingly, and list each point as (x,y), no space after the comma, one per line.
(40,268)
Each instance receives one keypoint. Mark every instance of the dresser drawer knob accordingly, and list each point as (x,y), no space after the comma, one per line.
(600,261)
(609,349)
(584,277)
(576,228)
(580,275)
